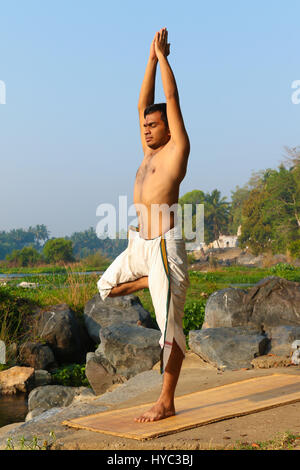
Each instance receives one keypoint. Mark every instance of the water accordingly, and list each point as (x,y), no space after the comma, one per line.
(43,274)
(13,409)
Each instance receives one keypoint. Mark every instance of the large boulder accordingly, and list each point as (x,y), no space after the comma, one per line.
(127,350)
(100,377)
(225,308)
(114,310)
(58,326)
(282,339)
(36,355)
(273,301)
(228,348)
(50,396)
(16,379)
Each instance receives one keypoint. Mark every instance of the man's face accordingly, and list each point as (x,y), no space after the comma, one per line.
(155,131)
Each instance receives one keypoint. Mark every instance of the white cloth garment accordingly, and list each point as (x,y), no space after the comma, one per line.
(164,260)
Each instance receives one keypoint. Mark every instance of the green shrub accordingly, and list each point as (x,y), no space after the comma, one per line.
(282,268)
(294,248)
(58,249)
(72,375)
(27,256)
(193,315)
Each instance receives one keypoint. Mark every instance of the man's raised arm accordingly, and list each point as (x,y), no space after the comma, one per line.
(179,136)
(147,89)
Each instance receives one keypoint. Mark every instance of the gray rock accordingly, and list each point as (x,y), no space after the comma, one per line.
(98,376)
(59,327)
(228,348)
(273,301)
(42,377)
(51,396)
(225,308)
(36,355)
(247,259)
(282,339)
(128,308)
(129,349)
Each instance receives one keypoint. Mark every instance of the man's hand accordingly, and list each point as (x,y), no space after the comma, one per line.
(161,45)
(153,55)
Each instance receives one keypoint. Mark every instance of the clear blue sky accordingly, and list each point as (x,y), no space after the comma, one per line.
(69,136)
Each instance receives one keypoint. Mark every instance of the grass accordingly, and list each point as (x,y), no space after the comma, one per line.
(31,444)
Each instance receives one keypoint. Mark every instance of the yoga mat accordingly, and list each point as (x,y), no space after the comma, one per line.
(197,408)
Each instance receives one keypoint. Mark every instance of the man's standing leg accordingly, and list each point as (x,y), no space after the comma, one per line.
(165,407)
(167,285)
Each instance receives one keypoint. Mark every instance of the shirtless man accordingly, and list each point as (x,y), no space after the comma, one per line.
(166,149)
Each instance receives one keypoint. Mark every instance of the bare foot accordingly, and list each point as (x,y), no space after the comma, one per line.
(158,411)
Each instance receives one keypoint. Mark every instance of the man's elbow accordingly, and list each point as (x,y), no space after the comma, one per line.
(172,95)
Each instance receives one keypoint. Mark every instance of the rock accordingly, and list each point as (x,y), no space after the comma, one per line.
(50,396)
(129,349)
(36,355)
(225,308)
(266,362)
(42,377)
(16,379)
(98,376)
(85,395)
(59,327)
(247,259)
(230,347)
(31,285)
(2,352)
(128,308)
(282,339)
(273,301)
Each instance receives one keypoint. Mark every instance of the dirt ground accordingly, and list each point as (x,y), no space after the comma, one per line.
(197,375)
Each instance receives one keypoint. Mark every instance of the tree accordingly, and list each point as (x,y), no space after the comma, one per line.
(58,249)
(216,213)
(27,256)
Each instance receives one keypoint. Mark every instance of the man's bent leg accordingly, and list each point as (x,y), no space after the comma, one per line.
(126,288)
(164,407)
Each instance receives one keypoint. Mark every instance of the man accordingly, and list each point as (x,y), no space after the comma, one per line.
(155,256)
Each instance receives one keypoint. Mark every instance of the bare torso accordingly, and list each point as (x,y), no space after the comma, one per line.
(154,185)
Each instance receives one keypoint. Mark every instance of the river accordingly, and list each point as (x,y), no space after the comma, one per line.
(13,409)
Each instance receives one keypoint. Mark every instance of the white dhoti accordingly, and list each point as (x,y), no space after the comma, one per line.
(164,260)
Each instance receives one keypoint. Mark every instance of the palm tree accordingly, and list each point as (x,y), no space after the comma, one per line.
(216,212)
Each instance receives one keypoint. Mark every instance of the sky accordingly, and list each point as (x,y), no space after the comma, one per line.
(72,70)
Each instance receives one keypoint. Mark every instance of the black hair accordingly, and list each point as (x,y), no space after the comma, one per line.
(162,107)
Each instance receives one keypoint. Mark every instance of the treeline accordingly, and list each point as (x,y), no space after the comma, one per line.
(21,247)
(267,208)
